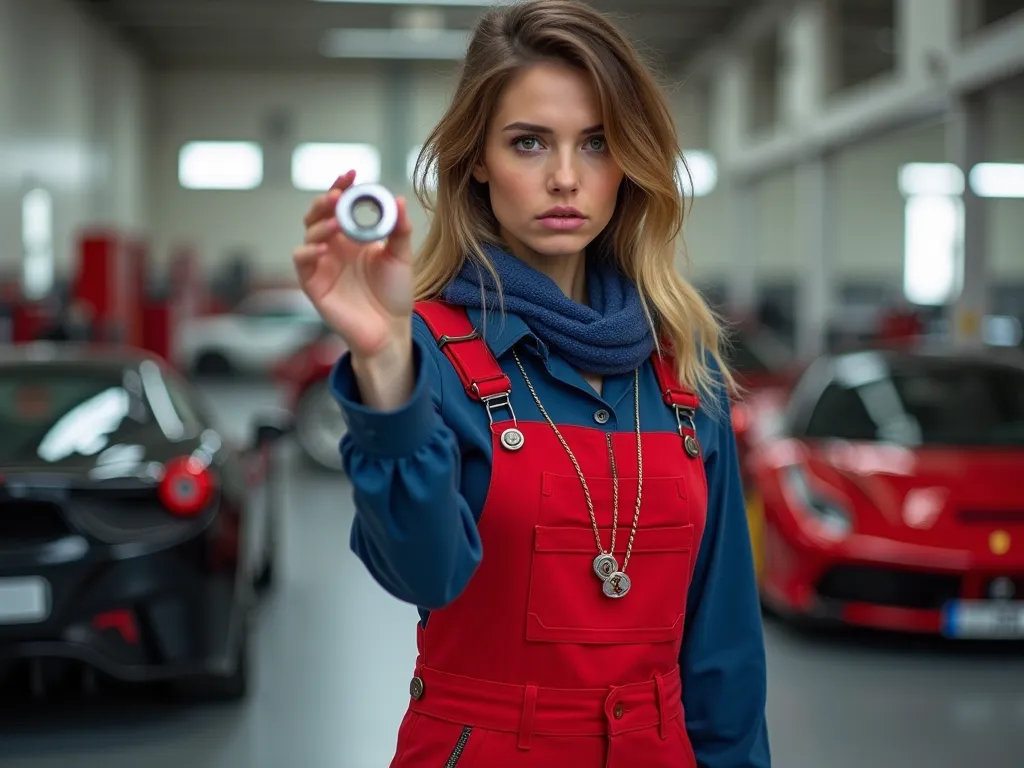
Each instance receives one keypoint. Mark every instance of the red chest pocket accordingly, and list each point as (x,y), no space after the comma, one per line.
(566,601)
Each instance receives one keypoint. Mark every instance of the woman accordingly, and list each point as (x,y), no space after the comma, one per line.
(539,439)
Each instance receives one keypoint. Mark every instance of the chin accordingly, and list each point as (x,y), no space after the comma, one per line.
(555,246)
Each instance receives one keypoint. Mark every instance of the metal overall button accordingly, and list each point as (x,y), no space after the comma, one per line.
(691,446)
(416,688)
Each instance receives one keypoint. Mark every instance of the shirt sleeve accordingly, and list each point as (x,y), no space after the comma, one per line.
(413,529)
(722,660)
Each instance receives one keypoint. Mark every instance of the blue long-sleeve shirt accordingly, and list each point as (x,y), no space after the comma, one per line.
(420,477)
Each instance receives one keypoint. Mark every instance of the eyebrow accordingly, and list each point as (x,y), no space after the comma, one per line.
(544,129)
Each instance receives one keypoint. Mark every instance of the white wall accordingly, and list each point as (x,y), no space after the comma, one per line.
(72,107)
(348,106)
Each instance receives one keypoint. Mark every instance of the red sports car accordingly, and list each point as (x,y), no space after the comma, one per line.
(319,423)
(888,491)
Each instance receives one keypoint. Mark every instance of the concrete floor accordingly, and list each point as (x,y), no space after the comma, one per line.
(335,655)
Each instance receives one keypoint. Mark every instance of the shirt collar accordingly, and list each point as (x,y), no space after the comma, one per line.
(501,332)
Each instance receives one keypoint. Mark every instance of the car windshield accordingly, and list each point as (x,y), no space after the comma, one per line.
(918,402)
(55,414)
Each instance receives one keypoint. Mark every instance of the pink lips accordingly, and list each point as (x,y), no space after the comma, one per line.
(562,218)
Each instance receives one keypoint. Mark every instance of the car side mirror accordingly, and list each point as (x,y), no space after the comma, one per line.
(270,428)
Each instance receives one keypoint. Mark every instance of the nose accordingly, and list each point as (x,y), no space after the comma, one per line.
(565,175)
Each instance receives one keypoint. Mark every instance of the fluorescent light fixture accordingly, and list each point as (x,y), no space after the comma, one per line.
(226,165)
(435,3)
(446,44)
(700,176)
(933,242)
(37,243)
(316,166)
(1005,180)
(931,179)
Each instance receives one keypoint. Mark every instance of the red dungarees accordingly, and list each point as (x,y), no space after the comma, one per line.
(532,665)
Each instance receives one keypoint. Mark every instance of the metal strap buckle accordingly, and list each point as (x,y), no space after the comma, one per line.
(494,402)
(685,416)
(445,340)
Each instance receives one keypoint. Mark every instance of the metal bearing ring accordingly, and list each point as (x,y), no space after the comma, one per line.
(378,197)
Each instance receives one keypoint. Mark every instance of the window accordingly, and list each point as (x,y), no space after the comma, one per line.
(315,167)
(224,165)
(841,414)
(37,243)
(180,400)
(941,402)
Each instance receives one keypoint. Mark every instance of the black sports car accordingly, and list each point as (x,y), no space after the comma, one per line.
(134,538)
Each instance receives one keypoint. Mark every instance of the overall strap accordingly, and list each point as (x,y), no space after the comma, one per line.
(682,401)
(479,372)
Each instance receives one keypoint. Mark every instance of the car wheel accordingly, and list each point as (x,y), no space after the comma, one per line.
(232,686)
(319,426)
(213,364)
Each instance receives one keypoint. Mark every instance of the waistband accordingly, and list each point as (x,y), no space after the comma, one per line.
(534,710)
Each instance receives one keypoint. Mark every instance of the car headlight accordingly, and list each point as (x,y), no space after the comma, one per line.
(830,514)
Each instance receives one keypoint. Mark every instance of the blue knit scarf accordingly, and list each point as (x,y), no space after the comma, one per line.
(609,337)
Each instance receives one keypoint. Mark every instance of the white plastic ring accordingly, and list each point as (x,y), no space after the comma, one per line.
(381,198)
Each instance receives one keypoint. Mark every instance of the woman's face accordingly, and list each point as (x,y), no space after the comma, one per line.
(551,179)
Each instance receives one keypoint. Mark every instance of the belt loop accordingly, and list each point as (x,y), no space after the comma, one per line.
(659,683)
(529,710)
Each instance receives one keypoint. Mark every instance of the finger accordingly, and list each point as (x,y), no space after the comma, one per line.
(322,231)
(323,206)
(306,254)
(400,241)
(344,181)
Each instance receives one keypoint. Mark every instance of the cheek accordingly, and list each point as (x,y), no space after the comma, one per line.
(509,185)
(608,183)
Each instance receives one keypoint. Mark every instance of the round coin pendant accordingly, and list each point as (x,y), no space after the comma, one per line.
(617,585)
(605,566)
(512,439)
(692,446)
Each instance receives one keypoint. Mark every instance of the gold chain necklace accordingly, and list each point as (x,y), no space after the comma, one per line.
(616,582)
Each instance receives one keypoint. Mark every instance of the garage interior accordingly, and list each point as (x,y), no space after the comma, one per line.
(854,163)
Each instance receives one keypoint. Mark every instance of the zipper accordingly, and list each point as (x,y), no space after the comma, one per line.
(460,745)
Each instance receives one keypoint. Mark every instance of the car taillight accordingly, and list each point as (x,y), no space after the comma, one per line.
(186,487)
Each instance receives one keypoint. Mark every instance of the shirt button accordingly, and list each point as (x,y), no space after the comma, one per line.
(601,416)
(618,711)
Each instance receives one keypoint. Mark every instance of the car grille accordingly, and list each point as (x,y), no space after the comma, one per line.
(889,587)
(25,522)
(986,516)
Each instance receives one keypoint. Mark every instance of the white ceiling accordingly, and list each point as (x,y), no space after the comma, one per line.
(284,34)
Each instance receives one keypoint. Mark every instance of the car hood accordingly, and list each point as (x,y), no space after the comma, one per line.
(924,495)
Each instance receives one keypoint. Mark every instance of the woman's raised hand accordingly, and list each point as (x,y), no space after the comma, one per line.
(363,291)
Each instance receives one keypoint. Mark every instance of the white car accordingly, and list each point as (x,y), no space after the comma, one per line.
(267,326)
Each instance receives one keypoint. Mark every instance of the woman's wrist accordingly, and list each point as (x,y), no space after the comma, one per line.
(386,379)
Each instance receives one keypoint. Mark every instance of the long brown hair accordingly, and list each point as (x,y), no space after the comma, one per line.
(645,229)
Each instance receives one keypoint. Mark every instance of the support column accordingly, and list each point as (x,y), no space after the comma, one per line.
(730,112)
(806,86)
(815,296)
(742,288)
(967,134)
(397,138)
